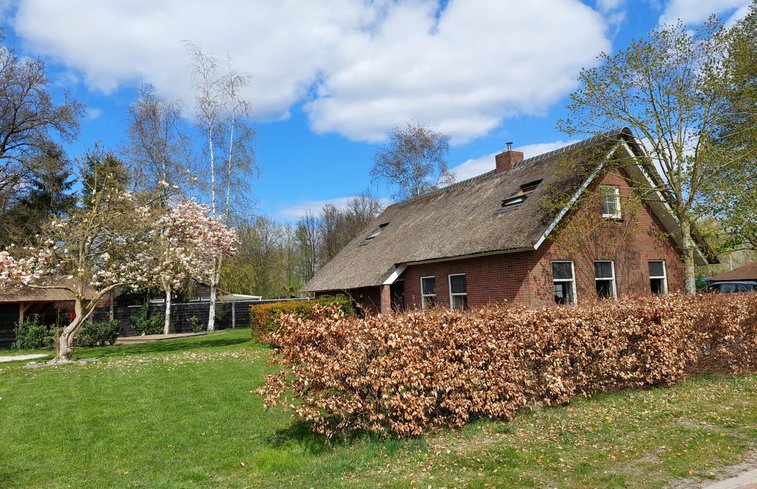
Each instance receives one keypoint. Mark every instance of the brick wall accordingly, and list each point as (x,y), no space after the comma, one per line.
(526,277)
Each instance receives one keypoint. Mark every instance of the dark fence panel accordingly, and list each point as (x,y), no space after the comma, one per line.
(228,314)
(8,319)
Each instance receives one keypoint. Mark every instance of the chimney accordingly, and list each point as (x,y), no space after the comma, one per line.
(508,159)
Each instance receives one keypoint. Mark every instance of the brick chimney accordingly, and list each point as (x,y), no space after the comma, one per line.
(508,159)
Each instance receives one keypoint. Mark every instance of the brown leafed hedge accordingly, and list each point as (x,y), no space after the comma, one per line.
(264,317)
(405,374)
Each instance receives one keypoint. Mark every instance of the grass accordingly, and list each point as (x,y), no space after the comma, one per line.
(183,413)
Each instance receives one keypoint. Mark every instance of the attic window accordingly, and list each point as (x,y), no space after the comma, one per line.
(375,232)
(610,201)
(530,186)
(516,199)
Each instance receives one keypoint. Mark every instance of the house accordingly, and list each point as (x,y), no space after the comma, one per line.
(583,221)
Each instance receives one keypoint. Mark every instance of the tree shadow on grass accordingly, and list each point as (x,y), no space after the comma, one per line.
(162,346)
(299,433)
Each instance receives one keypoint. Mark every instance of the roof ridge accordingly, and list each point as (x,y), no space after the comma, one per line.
(570,147)
(527,161)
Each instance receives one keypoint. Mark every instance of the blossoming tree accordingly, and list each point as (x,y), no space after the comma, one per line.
(100,246)
(187,243)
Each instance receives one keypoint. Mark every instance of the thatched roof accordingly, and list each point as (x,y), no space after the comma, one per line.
(745,272)
(465,218)
(31,294)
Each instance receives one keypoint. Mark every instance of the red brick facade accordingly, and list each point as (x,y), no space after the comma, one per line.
(526,277)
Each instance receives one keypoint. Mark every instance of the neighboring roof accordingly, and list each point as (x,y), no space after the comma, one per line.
(745,272)
(31,294)
(464,218)
(239,297)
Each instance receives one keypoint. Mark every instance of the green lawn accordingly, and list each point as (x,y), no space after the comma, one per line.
(183,413)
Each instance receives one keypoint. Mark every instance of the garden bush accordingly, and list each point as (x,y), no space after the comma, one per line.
(32,334)
(144,323)
(264,317)
(98,334)
(405,374)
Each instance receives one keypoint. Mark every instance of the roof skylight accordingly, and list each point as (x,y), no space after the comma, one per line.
(375,233)
(515,200)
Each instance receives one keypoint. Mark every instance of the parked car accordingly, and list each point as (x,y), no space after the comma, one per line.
(731,286)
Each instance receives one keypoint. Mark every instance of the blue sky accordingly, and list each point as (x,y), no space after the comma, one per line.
(330,77)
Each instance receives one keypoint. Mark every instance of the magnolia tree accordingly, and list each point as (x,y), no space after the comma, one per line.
(100,246)
(218,242)
(188,242)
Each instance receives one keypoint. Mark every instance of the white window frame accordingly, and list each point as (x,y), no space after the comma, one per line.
(614,191)
(424,297)
(449,284)
(572,280)
(607,279)
(664,275)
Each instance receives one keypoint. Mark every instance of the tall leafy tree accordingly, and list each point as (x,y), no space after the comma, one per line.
(47,193)
(29,122)
(672,89)
(733,196)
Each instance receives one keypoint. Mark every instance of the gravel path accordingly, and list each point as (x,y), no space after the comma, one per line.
(16,358)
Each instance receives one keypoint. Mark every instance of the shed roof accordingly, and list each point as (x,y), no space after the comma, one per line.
(32,294)
(744,272)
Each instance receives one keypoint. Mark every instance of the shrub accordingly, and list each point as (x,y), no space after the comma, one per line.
(195,324)
(409,373)
(98,334)
(33,334)
(144,323)
(264,317)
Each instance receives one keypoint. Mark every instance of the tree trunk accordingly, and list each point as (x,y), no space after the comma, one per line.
(214,280)
(212,171)
(167,322)
(689,275)
(66,339)
(212,311)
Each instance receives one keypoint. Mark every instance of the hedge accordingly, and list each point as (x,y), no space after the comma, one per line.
(98,334)
(264,317)
(406,374)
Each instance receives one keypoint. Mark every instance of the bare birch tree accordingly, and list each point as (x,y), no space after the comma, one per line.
(159,150)
(413,161)
(223,115)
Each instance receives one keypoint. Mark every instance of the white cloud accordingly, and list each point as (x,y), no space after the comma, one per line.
(93,113)
(314,207)
(696,11)
(361,67)
(613,10)
(471,168)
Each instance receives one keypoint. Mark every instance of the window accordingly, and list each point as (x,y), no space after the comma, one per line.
(458,292)
(428,292)
(563,282)
(610,201)
(375,233)
(658,281)
(604,278)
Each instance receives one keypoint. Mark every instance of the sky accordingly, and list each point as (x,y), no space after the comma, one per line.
(329,78)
